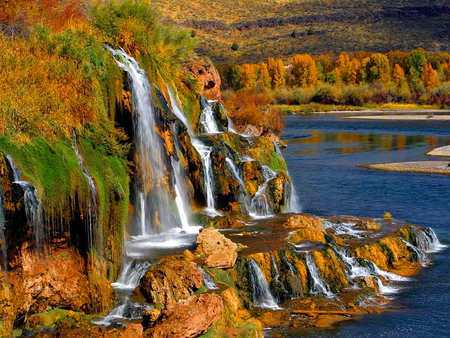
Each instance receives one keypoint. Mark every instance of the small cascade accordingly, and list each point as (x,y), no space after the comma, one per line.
(343,228)
(205,154)
(92,213)
(181,197)
(153,200)
(427,240)
(419,255)
(177,111)
(207,118)
(297,283)
(131,274)
(318,285)
(33,206)
(128,280)
(259,205)
(3,244)
(354,268)
(208,280)
(275,268)
(262,297)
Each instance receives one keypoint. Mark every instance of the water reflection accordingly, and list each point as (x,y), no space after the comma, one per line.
(347,143)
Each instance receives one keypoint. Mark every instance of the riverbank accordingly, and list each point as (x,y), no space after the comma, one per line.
(401,117)
(423,167)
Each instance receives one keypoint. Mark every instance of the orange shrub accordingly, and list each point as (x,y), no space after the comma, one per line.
(251,107)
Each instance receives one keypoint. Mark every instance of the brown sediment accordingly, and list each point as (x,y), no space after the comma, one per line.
(422,167)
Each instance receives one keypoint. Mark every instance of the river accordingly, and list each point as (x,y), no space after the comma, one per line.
(323,154)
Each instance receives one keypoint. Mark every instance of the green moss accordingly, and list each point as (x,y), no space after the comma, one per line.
(264,151)
(222,276)
(202,289)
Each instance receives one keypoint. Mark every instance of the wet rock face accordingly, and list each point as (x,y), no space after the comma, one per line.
(220,252)
(170,281)
(209,77)
(187,318)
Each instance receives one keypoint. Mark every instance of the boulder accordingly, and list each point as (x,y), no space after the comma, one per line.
(220,252)
(306,228)
(169,281)
(209,77)
(187,318)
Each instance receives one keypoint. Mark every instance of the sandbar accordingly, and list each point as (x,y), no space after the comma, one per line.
(441,151)
(423,167)
(402,117)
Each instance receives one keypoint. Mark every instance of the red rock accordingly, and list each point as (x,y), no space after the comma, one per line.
(188,318)
(170,281)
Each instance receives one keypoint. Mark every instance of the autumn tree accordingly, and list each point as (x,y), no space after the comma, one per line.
(348,69)
(430,77)
(398,75)
(264,79)
(249,75)
(376,68)
(304,70)
(276,71)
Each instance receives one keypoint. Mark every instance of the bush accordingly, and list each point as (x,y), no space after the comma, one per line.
(234,46)
(251,107)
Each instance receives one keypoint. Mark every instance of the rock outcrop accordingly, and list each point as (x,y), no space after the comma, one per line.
(170,280)
(208,76)
(220,252)
(187,318)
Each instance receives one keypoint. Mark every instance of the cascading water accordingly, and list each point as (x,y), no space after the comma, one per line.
(427,240)
(262,297)
(418,254)
(3,244)
(33,207)
(318,285)
(275,267)
(208,280)
(207,118)
(153,201)
(296,283)
(205,154)
(128,280)
(92,222)
(259,205)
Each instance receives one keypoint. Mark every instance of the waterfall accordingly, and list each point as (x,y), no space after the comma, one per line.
(417,253)
(208,280)
(427,240)
(3,244)
(33,206)
(128,280)
(318,285)
(131,274)
(207,117)
(205,154)
(181,197)
(296,285)
(259,205)
(92,215)
(153,201)
(262,297)
(275,267)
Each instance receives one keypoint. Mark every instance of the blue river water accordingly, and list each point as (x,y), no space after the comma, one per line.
(323,155)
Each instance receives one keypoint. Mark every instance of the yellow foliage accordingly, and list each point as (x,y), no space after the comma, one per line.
(348,69)
(276,71)
(430,77)
(398,75)
(304,70)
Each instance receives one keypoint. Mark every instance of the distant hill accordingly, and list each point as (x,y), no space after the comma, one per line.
(263,28)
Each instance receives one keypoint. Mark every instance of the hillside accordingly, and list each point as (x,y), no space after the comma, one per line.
(264,28)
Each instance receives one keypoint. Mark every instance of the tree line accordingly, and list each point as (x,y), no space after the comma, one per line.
(351,78)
